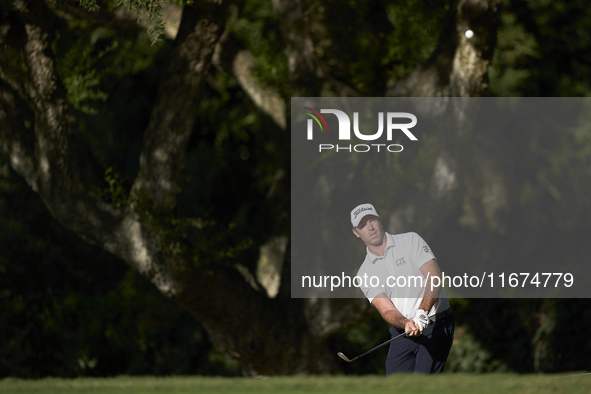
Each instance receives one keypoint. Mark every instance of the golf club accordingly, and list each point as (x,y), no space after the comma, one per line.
(341,355)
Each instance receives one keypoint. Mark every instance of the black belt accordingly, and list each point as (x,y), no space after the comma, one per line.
(440,315)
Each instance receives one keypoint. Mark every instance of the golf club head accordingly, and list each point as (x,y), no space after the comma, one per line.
(341,355)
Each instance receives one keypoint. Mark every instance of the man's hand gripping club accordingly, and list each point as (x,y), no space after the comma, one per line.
(418,324)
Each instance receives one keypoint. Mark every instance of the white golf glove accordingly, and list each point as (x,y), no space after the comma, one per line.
(421,320)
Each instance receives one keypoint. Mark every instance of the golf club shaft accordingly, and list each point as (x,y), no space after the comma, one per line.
(382,344)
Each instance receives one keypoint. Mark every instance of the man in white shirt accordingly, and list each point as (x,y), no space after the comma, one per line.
(402,266)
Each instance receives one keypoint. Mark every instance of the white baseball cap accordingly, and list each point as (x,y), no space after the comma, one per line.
(360,211)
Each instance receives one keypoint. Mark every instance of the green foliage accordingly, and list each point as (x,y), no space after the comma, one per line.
(204,239)
(124,70)
(358,339)
(13,64)
(150,11)
(469,355)
(389,39)
(114,193)
(90,5)
(80,74)
(256,24)
(79,87)
(542,49)
(514,48)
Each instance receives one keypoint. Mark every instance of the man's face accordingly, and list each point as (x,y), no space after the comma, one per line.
(370,230)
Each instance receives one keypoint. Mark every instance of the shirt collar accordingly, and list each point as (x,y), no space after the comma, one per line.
(390,243)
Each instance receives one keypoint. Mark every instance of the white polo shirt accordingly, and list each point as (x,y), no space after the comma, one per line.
(399,276)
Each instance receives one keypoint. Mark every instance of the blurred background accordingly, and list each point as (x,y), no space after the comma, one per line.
(70,309)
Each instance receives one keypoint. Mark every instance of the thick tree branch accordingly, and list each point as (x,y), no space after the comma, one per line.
(268,100)
(175,112)
(59,170)
(15,140)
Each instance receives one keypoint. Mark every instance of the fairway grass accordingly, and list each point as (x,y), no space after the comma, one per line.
(415,384)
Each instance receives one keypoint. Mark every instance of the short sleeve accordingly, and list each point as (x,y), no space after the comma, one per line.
(419,251)
(365,278)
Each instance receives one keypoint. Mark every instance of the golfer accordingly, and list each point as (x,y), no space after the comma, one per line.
(404,296)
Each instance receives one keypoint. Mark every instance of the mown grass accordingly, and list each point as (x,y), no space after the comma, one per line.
(415,384)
